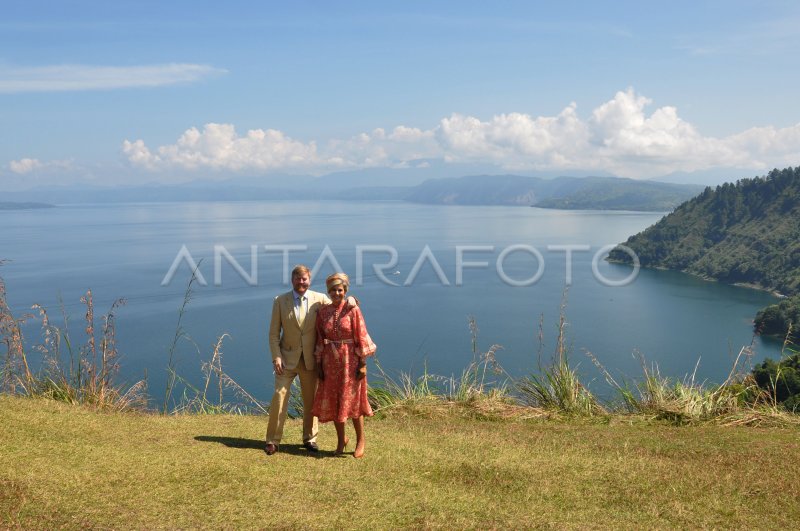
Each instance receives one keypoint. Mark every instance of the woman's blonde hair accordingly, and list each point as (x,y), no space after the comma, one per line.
(336,279)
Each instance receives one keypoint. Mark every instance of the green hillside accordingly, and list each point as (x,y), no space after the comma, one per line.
(747,233)
(599,193)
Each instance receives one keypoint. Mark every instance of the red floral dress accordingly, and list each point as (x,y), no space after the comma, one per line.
(342,340)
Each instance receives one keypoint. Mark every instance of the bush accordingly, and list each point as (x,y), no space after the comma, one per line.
(781,380)
(778,318)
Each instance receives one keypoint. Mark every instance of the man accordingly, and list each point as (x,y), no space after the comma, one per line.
(292,338)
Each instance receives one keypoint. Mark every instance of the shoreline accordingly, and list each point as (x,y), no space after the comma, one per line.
(747,285)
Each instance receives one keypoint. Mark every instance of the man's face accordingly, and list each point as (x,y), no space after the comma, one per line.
(300,282)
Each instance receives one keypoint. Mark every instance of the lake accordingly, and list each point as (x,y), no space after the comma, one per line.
(425,270)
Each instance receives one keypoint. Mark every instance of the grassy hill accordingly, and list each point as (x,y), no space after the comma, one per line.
(65,466)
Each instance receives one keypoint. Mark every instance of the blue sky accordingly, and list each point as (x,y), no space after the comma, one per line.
(134,92)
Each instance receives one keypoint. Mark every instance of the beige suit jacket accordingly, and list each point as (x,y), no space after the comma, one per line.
(287,339)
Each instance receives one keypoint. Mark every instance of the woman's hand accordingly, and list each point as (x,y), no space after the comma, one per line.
(320,371)
(361,370)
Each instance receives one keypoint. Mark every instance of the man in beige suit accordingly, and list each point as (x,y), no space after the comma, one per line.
(292,338)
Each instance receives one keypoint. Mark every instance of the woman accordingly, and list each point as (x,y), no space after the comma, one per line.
(343,345)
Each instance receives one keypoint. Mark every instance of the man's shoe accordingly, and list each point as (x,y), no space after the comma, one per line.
(311,446)
(271,448)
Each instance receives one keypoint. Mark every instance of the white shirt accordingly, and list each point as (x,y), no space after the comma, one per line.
(300,299)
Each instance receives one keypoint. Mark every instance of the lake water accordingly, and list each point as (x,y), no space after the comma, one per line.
(126,250)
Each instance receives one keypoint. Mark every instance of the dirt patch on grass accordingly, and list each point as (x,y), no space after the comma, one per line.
(12,498)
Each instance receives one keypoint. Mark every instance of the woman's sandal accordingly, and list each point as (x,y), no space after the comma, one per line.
(346,442)
(358,455)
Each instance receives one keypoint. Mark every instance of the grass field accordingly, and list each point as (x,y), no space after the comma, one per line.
(64,466)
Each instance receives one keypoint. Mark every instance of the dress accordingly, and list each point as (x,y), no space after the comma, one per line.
(342,339)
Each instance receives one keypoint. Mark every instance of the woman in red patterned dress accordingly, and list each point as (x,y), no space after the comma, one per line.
(343,345)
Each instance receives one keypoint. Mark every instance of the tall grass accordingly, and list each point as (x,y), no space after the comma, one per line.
(180,333)
(687,399)
(390,391)
(16,372)
(557,386)
(475,381)
(481,385)
(200,401)
(86,374)
(88,378)
(196,400)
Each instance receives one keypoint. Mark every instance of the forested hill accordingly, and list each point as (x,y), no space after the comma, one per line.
(748,232)
(592,193)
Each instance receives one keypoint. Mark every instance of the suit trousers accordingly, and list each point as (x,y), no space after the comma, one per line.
(279,407)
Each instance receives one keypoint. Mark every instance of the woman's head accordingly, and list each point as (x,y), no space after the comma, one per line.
(337,279)
(337,284)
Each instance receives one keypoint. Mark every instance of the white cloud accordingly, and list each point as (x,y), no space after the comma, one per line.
(23,166)
(218,146)
(58,78)
(515,140)
(769,146)
(381,149)
(35,166)
(618,137)
(26,173)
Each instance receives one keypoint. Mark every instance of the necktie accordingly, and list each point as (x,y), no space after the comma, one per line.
(301,310)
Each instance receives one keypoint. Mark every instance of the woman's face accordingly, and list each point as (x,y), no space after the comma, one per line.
(337,293)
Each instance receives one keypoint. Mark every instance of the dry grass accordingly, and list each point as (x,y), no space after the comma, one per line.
(64,466)
(61,370)
(556,391)
(483,389)
(58,369)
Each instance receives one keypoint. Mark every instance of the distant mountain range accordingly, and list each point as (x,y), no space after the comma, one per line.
(712,176)
(746,233)
(584,193)
(591,193)
(6,205)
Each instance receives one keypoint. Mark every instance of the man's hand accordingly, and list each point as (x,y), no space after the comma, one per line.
(352,302)
(320,371)
(361,370)
(277,365)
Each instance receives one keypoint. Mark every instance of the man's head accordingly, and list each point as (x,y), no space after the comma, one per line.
(301,279)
